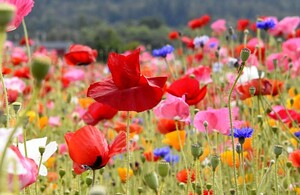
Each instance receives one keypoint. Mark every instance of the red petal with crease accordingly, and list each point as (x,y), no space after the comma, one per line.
(117,145)
(97,112)
(144,96)
(125,70)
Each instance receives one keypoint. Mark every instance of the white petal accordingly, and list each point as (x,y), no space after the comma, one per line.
(49,150)
(33,148)
(43,170)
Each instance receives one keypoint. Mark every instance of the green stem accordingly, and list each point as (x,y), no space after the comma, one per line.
(170,69)
(39,167)
(243,169)
(128,153)
(2,40)
(231,125)
(94,177)
(26,39)
(263,180)
(276,177)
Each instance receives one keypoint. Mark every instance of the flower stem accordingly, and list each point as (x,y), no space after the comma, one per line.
(243,169)
(276,177)
(240,71)
(94,177)
(170,69)
(128,153)
(2,40)
(26,39)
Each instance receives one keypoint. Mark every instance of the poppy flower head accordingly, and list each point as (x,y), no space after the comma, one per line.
(128,90)
(242,24)
(174,35)
(189,88)
(89,149)
(80,55)
(182,176)
(294,157)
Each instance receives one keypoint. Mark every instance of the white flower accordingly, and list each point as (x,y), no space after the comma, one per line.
(250,73)
(33,151)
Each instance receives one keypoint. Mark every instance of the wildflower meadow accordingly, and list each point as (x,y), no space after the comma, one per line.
(216,110)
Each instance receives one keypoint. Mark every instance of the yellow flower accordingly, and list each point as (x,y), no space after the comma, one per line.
(172,139)
(248,179)
(123,174)
(50,162)
(31,115)
(205,154)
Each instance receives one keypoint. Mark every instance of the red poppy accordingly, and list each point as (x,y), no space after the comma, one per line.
(23,72)
(80,55)
(199,22)
(134,127)
(182,176)
(165,126)
(295,158)
(189,43)
(127,90)
(23,42)
(285,115)
(189,88)
(12,95)
(6,70)
(174,35)
(97,112)
(149,156)
(297,34)
(242,24)
(262,87)
(88,148)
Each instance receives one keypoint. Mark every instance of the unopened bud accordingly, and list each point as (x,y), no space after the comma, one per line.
(278,150)
(40,67)
(163,168)
(151,180)
(7,13)
(245,54)
(214,162)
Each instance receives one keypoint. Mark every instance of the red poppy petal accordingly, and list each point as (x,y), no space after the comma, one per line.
(198,98)
(86,144)
(139,98)
(79,58)
(125,70)
(118,144)
(98,111)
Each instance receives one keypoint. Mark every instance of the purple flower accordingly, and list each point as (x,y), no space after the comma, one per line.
(171,158)
(161,152)
(266,24)
(297,134)
(162,52)
(243,132)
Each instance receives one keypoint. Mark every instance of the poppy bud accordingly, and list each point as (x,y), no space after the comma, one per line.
(245,54)
(278,150)
(259,118)
(230,30)
(152,180)
(252,90)
(196,187)
(238,148)
(41,150)
(232,191)
(163,168)
(7,12)
(61,173)
(40,67)
(289,164)
(98,190)
(209,186)
(89,181)
(140,190)
(196,151)
(17,106)
(214,162)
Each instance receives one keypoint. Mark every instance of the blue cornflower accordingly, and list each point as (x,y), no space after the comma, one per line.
(243,132)
(162,52)
(266,24)
(161,152)
(297,134)
(170,158)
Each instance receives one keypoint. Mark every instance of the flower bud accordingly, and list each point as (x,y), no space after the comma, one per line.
(196,150)
(278,150)
(151,180)
(163,168)
(196,187)
(17,106)
(7,13)
(289,164)
(245,53)
(41,150)
(209,186)
(214,161)
(61,173)
(140,190)
(40,67)
(98,190)
(238,148)
(89,181)
(252,90)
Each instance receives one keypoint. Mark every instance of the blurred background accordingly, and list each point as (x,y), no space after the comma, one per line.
(123,24)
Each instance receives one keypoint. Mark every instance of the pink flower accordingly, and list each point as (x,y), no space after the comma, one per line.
(173,107)
(285,115)
(74,75)
(62,149)
(28,175)
(15,83)
(292,47)
(219,26)
(217,120)
(201,73)
(54,121)
(18,56)
(286,26)
(23,8)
